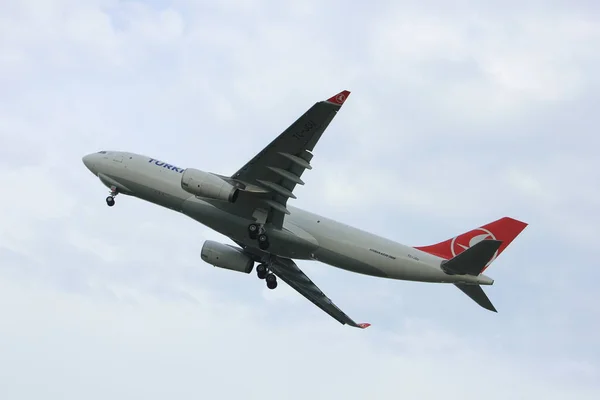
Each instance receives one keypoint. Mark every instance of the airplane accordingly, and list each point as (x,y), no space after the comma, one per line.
(250,207)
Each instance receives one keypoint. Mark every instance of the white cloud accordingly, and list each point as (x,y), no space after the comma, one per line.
(96,348)
(501,65)
(455,118)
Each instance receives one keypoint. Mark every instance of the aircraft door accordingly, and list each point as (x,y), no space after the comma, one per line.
(118,158)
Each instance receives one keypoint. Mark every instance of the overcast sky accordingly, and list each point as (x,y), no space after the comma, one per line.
(459,114)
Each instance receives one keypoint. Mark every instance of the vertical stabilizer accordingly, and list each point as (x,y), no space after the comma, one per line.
(505,229)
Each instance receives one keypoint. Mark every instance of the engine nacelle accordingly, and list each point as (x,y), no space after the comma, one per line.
(207,185)
(225,256)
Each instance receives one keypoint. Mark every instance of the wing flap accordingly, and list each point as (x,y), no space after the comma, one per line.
(287,175)
(277,188)
(278,206)
(297,160)
(288,271)
(279,166)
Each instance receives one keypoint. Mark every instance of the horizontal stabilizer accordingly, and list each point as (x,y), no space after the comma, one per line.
(473,260)
(476,293)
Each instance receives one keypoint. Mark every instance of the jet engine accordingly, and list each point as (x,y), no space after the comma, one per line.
(226,256)
(207,185)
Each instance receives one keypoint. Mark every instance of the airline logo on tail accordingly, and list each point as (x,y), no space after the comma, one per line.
(339,98)
(466,240)
(505,229)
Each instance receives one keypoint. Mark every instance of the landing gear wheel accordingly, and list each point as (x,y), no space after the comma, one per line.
(271,281)
(253,231)
(261,271)
(263,241)
(110,201)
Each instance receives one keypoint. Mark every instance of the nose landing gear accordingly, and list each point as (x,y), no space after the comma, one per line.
(110,200)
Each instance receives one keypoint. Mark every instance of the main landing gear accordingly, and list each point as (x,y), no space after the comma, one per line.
(257,232)
(262,270)
(110,200)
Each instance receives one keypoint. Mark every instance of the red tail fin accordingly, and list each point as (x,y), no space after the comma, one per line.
(505,229)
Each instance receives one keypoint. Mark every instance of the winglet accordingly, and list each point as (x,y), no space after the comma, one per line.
(339,98)
(364,325)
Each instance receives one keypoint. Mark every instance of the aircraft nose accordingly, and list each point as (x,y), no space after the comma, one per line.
(88,161)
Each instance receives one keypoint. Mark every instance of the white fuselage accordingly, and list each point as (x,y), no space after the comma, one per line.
(304,235)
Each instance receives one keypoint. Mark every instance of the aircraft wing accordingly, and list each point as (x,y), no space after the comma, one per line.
(271,176)
(288,271)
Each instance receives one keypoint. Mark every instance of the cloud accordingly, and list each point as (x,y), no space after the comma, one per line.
(500,65)
(458,115)
(118,348)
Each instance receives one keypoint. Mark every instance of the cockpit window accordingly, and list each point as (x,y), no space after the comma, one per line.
(102,152)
